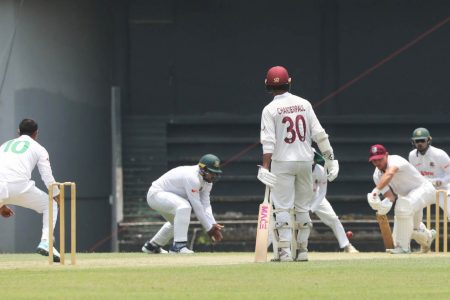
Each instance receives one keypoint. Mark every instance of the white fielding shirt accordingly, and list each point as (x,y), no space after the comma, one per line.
(18,158)
(186,182)
(288,124)
(433,165)
(405,180)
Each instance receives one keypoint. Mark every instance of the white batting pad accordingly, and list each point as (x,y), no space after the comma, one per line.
(404,229)
(304,229)
(283,218)
(403,207)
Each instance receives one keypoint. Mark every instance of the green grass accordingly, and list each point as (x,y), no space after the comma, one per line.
(227,276)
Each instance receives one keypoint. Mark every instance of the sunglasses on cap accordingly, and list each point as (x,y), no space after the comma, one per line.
(420,141)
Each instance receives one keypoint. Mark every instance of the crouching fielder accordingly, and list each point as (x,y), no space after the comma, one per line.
(174,195)
(395,175)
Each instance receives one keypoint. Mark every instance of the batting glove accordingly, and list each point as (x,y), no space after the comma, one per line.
(266,177)
(332,168)
(385,207)
(376,192)
(374,201)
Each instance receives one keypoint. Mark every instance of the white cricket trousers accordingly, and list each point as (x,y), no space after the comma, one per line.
(293,190)
(26,194)
(174,209)
(326,214)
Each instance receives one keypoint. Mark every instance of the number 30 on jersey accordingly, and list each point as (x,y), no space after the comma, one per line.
(293,128)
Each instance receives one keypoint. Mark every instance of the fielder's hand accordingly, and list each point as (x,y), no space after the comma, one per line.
(385,207)
(332,168)
(266,177)
(6,212)
(57,199)
(215,233)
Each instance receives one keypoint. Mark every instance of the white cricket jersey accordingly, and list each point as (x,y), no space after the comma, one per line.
(18,158)
(434,165)
(405,180)
(320,184)
(186,182)
(288,124)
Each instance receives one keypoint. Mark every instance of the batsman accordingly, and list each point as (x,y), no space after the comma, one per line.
(288,127)
(398,181)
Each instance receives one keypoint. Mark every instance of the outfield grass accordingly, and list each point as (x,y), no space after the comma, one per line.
(226,276)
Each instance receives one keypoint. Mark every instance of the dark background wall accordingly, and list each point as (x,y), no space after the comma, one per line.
(59,72)
(193,57)
(59,59)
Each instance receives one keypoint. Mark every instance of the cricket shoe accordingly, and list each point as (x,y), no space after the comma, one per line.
(43,249)
(284,254)
(153,249)
(426,249)
(180,248)
(302,256)
(350,249)
(399,250)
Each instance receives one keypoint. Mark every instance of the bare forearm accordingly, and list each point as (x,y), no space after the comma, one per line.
(267,158)
(384,181)
(386,178)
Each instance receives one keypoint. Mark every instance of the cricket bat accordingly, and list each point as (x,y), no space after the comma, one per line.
(262,231)
(386,233)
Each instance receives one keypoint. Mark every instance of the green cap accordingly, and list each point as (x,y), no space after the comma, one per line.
(420,134)
(210,162)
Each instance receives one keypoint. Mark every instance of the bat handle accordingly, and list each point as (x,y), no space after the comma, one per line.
(266,194)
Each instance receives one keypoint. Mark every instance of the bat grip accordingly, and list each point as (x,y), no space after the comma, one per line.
(266,194)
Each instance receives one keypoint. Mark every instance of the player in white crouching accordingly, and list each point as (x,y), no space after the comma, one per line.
(18,158)
(322,207)
(433,163)
(393,176)
(288,127)
(174,195)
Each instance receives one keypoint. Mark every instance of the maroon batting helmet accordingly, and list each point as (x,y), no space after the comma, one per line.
(277,78)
